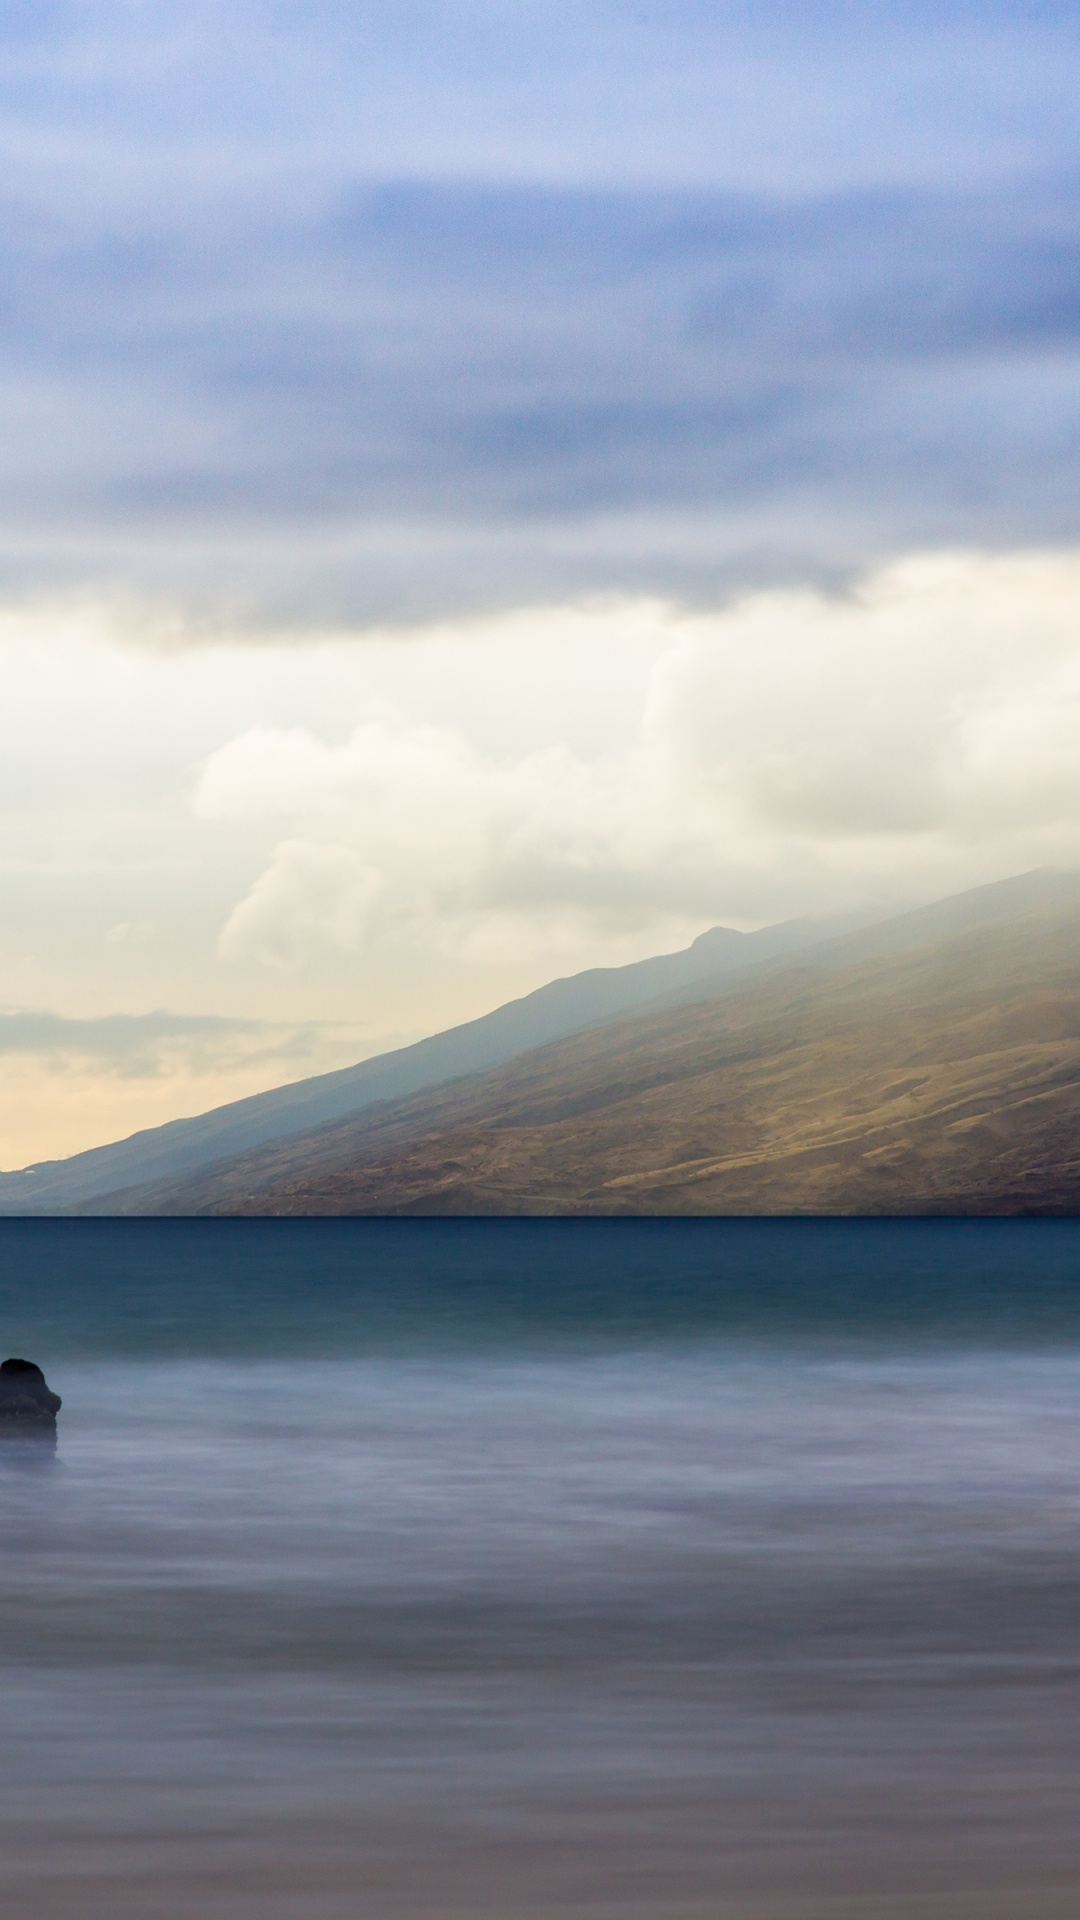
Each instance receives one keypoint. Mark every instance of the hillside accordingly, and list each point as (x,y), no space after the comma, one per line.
(182,1148)
(931,1064)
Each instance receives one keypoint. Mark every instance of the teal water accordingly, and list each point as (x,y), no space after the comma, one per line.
(142,1288)
(536,1569)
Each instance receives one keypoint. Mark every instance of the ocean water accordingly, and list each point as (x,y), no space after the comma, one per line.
(635,1571)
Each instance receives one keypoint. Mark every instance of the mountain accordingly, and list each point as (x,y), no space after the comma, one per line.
(930,1063)
(168,1153)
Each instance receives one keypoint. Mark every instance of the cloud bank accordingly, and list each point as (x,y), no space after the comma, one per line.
(797,750)
(146,1046)
(416,398)
(390,312)
(67,1082)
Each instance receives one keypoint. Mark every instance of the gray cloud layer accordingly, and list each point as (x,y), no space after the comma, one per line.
(576,383)
(144,1045)
(728,296)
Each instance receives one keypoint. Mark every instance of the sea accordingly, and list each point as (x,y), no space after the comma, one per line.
(514,1570)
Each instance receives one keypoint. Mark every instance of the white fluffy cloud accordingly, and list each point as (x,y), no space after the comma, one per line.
(927,703)
(791,752)
(313,895)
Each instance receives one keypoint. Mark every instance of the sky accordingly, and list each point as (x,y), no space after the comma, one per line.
(490,490)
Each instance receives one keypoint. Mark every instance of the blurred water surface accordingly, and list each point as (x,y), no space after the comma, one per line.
(543,1568)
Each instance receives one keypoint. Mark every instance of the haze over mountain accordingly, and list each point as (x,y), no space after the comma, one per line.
(563,1007)
(927,1063)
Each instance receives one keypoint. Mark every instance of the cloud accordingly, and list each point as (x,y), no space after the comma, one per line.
(797,750)
(696,299)
(312,897)
(147,1046)
(405,827)
(68,1083)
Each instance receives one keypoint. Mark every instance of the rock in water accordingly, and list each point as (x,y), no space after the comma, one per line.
(26,1405)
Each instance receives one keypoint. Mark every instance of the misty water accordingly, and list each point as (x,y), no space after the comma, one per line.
(543,1568)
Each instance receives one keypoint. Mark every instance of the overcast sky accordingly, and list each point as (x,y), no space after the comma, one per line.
(488,489)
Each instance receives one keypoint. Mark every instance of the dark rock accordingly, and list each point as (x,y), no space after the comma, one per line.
(26,1405)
